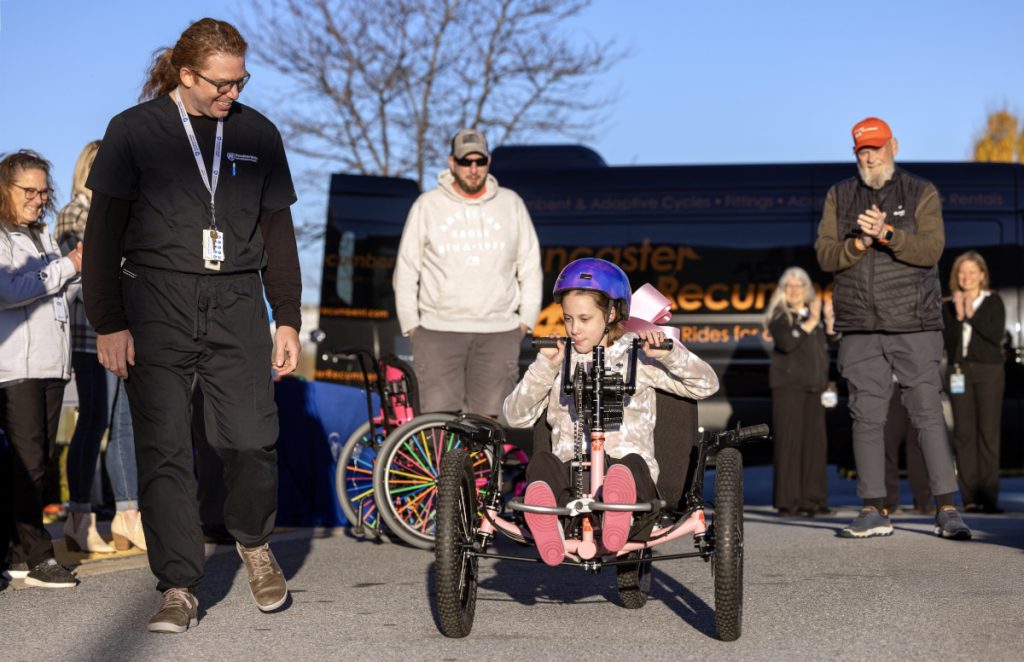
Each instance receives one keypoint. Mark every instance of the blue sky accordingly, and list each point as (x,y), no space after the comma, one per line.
(705,82)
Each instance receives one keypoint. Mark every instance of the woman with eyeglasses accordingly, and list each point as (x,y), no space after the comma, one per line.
(36,287)
(798,323)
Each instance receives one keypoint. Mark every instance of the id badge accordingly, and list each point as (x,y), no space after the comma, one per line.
(213,249)
(60,309)
(957,383)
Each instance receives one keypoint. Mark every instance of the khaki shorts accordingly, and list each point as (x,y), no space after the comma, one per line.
(465,372)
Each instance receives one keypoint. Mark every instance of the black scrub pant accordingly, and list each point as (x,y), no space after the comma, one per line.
(977,419)
(800,471)
(216,328)
(29,417)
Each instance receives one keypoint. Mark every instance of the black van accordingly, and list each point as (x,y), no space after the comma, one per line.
(713,239)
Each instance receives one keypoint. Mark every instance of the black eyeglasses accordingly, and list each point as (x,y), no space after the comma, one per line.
(224,86)
(31,193)
(478,162)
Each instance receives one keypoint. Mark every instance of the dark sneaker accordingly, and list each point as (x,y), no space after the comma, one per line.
(949,525)
(17,571)
(266,581)
(178,612)
(50,574)
(868,523)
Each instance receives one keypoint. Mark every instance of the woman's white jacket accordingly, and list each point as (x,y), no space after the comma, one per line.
(35,332)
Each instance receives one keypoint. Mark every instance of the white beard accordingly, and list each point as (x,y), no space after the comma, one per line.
(878,178)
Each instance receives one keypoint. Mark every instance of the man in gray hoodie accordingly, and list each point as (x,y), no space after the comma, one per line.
(467,284)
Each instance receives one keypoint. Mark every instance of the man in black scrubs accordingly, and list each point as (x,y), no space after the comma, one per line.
(193,190)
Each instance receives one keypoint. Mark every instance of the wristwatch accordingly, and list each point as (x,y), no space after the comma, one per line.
(885,236)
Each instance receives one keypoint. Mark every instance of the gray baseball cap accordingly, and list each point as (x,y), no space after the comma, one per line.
(469,141)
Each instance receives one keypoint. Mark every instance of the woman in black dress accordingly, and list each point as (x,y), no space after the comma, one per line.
(799,375)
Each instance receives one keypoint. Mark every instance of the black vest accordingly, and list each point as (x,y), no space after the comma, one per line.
(880,293)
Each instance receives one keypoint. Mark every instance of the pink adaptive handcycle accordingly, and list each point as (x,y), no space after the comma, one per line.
(468,518)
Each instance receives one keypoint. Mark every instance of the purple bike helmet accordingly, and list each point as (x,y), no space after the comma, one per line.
(591,273)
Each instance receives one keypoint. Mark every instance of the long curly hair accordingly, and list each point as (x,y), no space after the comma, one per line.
(11,167)
(199,41)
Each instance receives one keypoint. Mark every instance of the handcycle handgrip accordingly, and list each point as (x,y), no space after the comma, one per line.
(552,343)
(752,432)
(547,343)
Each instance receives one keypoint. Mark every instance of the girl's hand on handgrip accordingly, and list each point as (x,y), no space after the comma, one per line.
(651,340)
(553,354)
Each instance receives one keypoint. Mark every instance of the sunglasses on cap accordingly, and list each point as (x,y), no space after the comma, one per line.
(479,162)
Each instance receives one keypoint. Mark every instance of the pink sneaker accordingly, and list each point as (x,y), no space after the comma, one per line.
(545,529)
(619,487)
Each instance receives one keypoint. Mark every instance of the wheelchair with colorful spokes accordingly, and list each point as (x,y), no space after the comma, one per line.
(469,518)
(394,383)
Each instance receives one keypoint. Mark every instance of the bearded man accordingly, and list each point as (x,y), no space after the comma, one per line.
(881,234)
(467,284)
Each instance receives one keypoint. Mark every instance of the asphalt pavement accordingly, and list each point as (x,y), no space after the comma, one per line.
(809,595)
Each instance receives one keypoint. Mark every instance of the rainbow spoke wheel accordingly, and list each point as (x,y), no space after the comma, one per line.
(406,475)
(354,479)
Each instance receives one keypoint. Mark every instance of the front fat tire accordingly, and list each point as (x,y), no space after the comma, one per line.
(634,580)
(727,557)
(455,570)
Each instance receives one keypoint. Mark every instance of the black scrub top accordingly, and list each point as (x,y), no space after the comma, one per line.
(146,158)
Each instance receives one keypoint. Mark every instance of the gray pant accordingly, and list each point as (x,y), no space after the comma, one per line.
(868,362)
(470,372)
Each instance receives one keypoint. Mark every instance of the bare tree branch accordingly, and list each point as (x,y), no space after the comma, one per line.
(379,86)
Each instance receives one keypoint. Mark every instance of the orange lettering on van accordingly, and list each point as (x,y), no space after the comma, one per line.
(711,303)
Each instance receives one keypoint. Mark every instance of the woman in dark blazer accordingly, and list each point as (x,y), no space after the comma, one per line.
(975,321)
(798,376)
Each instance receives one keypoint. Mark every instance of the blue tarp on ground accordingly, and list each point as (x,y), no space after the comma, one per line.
(316,419)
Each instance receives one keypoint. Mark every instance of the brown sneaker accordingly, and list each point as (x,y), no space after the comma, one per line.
(178,612)
(266,581)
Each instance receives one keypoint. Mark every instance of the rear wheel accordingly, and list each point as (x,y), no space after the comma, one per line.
(354,478)
(406,473)
(727,556)
(455,569)
(634,579)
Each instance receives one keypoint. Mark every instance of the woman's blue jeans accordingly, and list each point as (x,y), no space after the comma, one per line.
(102,402)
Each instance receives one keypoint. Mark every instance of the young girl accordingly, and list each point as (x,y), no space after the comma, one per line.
(595,298)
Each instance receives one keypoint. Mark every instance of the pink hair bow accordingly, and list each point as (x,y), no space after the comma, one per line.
(648,309)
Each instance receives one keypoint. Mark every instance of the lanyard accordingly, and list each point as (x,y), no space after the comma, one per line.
(217,145)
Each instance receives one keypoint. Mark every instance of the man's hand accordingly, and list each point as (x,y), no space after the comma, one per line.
(412,331)
(523,330)
(871,222)
(116,351)
(286,350)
